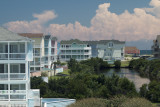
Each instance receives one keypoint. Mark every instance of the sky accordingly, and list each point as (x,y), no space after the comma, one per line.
(135,21)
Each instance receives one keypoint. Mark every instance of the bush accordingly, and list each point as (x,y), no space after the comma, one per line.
(136,102)
(117,64)
(90,102)
(44,74)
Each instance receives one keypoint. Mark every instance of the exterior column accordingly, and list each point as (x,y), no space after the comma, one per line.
(9,81)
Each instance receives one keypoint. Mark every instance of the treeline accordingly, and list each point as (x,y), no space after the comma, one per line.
(85,82)
(84,85)
(150,69)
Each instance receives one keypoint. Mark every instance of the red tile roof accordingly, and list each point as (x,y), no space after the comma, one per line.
(132,50)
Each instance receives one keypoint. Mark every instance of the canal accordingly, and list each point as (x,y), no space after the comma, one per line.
(131,74)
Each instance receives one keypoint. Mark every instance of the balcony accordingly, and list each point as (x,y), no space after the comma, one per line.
(36,54)
(12,76)
(15,95)
(12,56)
(37,46)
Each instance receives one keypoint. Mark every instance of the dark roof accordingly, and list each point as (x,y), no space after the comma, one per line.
(31,35)
(6,35)
(91,42)
(71,41)
(104,42)
(49,36)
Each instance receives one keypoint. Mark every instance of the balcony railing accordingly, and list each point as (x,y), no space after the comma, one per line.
(37,45)
(2,92)
(17,91)
(15,95)
(18,76)
(36,54)
(13,76)
(12,56)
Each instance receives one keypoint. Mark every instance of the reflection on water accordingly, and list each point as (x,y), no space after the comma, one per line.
(130,74)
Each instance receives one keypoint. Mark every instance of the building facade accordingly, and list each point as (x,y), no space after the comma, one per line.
(156,47)
(75,49)
(107,49)
(44,50)
(132,51)
(15,53)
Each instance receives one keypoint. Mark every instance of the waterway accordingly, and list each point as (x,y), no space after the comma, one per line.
(131,74)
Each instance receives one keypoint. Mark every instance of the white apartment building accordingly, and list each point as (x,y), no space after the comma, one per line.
(107,49)
(44,50)
(15,53)
(75,49)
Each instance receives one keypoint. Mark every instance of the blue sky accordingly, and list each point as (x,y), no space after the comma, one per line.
(68,11)
(134,21)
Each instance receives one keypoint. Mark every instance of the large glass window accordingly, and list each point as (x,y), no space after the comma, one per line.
(17,68)
(3,68)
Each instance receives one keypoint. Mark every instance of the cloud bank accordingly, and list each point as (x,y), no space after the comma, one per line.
(143,23)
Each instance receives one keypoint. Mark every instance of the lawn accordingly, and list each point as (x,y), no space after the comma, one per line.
(65,72)
(124,63)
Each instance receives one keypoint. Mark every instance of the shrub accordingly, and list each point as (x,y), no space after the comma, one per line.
(136,102)
(117,64)
(44,74)
(90,102)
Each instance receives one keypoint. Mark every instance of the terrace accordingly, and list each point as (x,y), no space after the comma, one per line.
(12,51)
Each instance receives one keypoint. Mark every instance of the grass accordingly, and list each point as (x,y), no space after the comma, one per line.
(66,72)
(124,63)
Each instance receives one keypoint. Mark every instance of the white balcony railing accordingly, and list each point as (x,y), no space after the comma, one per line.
(3,76)
(12,56)
(3,92)
(15,95)
(18,76)
(17,91)
(13,76)
(37,45)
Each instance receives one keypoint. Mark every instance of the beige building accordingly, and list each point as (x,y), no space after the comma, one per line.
(44,50)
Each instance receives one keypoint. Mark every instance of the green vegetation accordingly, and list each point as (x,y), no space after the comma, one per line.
(117,64)
(113,102)
(85,81)
(124,63)
(150,69)
(44,74)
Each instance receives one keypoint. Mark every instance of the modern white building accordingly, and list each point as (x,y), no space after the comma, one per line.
(75,49)
(44,50)
(107,49)
(15,53)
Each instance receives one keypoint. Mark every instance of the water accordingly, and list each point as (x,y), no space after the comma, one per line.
(132,75)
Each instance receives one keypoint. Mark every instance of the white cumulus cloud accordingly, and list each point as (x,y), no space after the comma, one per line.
(143,23)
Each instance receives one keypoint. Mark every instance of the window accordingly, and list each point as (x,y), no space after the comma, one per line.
(1,68)
(22,48)
(14,68)
(110,44)
(13,48)
(22,67)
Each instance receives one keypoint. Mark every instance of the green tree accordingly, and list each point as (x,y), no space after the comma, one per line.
(117,64)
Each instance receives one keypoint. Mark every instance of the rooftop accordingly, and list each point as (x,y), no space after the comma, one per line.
(32,35)
(71,41)
(6,35)
(105,42)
